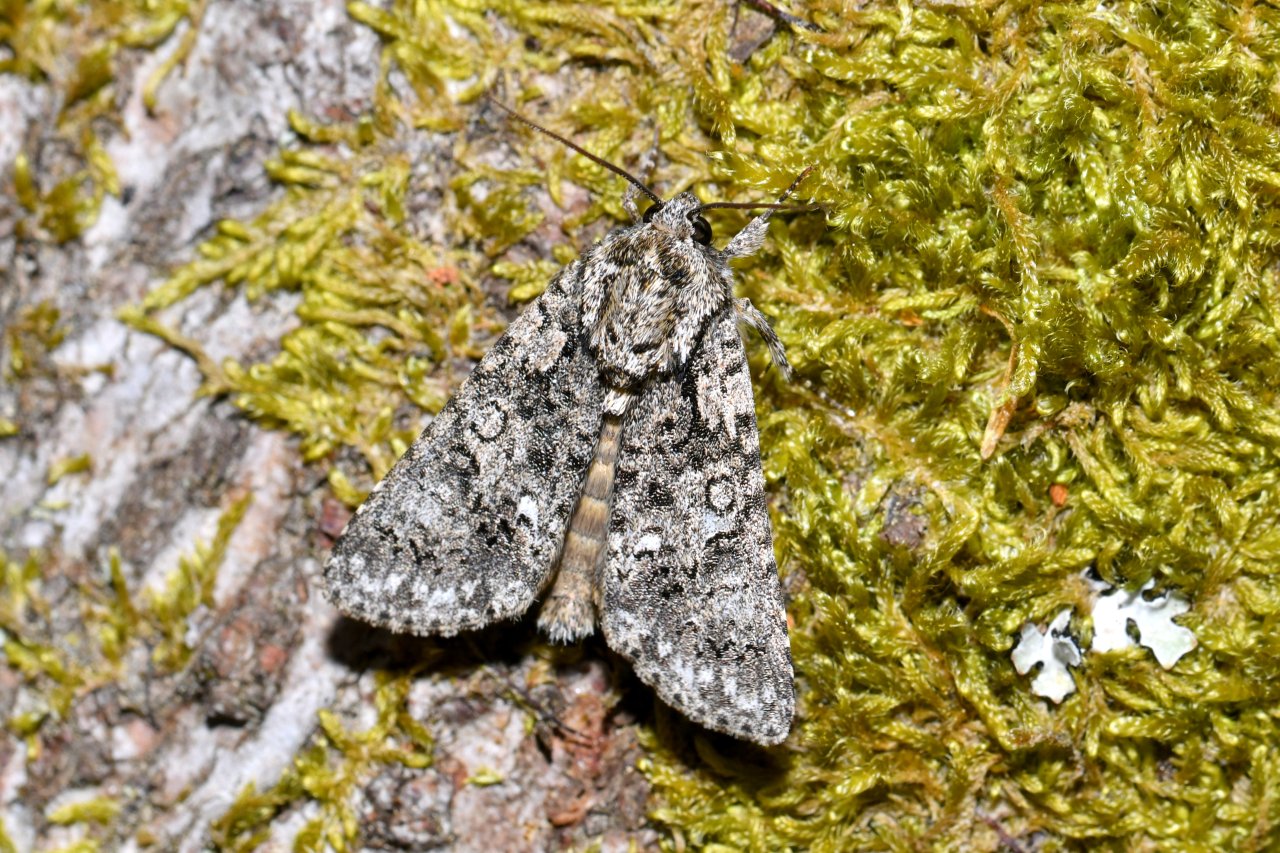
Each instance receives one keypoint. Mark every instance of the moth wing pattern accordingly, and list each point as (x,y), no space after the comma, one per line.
(466,527)
(691,595)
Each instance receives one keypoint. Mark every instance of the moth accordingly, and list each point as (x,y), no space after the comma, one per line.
(603,458)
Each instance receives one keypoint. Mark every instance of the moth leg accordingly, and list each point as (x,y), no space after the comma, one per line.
(751,315)
(647,161)
(569,612)
(629,203)
(749,240)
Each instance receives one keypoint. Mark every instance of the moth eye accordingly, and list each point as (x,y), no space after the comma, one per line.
(701,230)
(651,211)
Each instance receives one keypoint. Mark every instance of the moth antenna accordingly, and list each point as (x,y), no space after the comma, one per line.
(778,205)
(752,205)
(617,170)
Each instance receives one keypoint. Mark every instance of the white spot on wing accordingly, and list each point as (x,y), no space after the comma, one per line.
(528,508)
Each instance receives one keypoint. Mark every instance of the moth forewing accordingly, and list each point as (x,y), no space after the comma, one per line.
(691,590)
(466,527)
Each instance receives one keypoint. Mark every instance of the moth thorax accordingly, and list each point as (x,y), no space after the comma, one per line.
(632,346)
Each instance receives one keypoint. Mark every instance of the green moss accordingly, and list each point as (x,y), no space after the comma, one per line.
(1048,261)
(71,465)
(97,810)
(380,310)
(1059,168)
(74,48)
(328,772)
(60,667)
(187,587)
(484,777)
(34,334)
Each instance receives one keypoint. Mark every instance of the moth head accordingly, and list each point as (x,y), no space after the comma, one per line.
(648,291)
(681,216)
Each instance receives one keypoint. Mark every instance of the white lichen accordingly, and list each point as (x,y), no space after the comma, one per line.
(1056,650)
(1153,620)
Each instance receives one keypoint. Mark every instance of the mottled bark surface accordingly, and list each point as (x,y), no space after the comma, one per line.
(514,767)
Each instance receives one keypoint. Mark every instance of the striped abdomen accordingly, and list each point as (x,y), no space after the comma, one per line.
(569,612)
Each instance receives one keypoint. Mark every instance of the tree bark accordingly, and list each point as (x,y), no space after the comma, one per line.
(157,744)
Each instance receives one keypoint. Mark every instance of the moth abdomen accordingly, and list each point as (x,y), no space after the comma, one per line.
(569,612)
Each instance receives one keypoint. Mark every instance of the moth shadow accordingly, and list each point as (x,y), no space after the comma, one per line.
(694,747)
(507,646)
(359,646)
